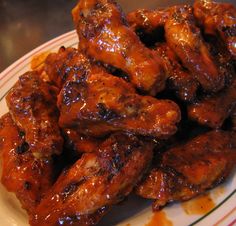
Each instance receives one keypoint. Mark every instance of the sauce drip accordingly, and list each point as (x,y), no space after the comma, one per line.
(159,218)
(200,205)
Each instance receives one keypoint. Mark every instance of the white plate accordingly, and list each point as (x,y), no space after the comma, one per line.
(135,211)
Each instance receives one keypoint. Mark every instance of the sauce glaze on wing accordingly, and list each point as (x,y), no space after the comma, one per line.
(190,169)
(98,180)
(29,178)
(32,104)
(105,36)
(102,103)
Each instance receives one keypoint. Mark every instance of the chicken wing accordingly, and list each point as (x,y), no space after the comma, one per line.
(190,169)
(179,79)
(68,64)
(185,39)
(32,104)
(29,178)
(213,110)
(218,18)
(104,35)
(102,103)
(84,193)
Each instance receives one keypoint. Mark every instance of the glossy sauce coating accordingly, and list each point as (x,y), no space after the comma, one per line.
(179,79)
(103,103)
(68,64)
(185,39)
(32,104)
(212,111)
(29,178)
(104,35)
(190,169)
(147,19)
(85,192)
(218,18)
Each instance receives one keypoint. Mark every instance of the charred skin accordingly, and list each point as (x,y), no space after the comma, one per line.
(68,64)
(218,19)
(190,169)
(103,103)
(98,180)
(104,35)
(213,110)
(29,178)
(32,104)
(184,37)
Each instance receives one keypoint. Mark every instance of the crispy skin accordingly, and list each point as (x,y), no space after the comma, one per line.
(190,169)
(213,110)
(104,35)
(185,39)
(102,103)
(98,180)
(147,19)
(32,104)
(218,18)
(80,143)
(68,64)
(29,178)
(179,79)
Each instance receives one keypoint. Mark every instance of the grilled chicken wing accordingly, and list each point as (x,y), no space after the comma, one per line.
(98,180)
(213,110)
(32,104)
(190,169)
(104,35)
(218,18)
(147,19)
(102,103)
(29,178)
(185,39)
(68,64)
(179,79)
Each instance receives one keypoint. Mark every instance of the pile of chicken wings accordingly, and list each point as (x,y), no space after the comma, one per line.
(145,104)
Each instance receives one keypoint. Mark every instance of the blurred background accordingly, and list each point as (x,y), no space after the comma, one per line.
(26,24)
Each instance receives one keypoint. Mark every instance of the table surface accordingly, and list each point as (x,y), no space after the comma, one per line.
(26,24)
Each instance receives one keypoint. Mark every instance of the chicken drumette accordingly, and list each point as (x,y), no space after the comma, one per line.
(86,191)
(104,35)
(188,170)
(32,104)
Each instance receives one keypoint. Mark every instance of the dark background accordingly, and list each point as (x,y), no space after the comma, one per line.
(26,24)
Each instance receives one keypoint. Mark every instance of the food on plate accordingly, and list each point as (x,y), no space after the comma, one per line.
(184,37)
(133,109)
(104,34)
(32,104)
(189,169)
(179,79)
(28,177)
(102,103)
(218,19)
(213,110)
(86,191)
